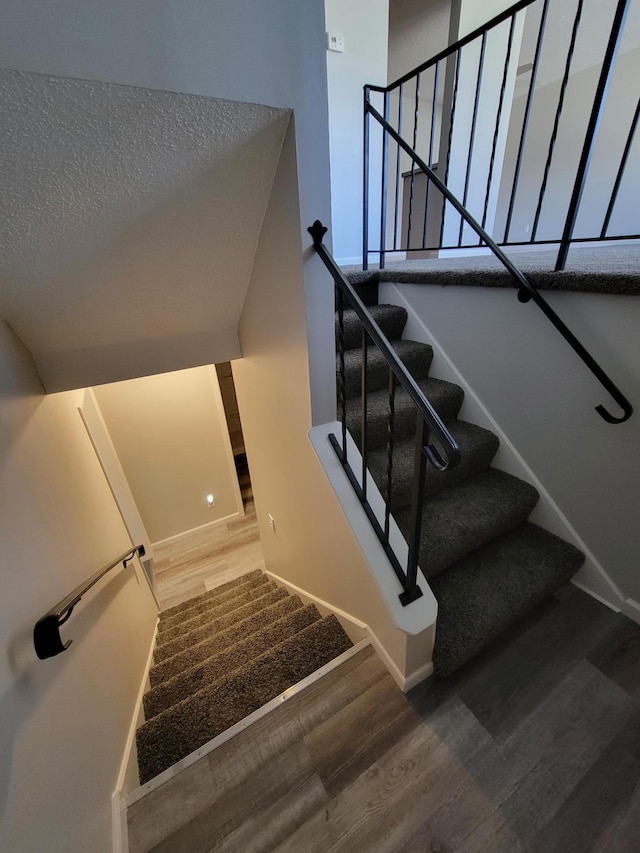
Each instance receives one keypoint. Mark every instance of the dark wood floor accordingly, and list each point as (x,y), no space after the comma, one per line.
(533,747)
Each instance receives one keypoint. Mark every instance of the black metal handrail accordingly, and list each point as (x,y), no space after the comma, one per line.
(526,290)
(46,633)
(492,118)
(428,421)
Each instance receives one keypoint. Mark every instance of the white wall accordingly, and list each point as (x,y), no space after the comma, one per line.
(364,26)
(612,135)
(172,440)
(312,546)
(418,29)
(261,52)
(543,397)
(64,719)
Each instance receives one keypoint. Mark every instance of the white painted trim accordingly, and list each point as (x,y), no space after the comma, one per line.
(592,578)
(320,602)
(119,823)
(208,526)
(118,798)
(405,683)
(226,438)
(239,727)
(631,609)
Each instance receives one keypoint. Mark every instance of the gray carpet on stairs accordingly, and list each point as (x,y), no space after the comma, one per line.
(225,637)
(187,725)
(486,565)
(218,665)
(229,586)
(606,269)
(204,631)
(486,592)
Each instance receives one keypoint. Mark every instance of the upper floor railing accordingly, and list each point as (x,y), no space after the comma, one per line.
(530,120)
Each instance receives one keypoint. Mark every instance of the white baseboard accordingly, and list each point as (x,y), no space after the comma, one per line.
(118,798)
(208,526)
(404,682)
(355,628)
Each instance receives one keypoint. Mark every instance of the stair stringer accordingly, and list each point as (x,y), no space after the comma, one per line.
(592,578)
(406,652)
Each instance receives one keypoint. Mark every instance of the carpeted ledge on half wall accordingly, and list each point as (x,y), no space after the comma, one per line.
(607,269)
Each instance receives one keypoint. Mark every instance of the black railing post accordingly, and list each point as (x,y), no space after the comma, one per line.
(608,63)
(383,189)
(412,590)
(365,181)
(364,412)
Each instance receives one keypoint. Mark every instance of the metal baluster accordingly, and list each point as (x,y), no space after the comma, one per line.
(432,134)
(342,391)
(412,590)
(415,140)
(527,115)
(398,175)
(391,426)
(623,165)
(383,200)
(615,37)
(365,183)
(363,411)
(498,117)
(556,123)
(472,136)
(453,115)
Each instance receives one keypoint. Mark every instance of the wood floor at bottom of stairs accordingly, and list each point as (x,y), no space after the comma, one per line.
(532,747)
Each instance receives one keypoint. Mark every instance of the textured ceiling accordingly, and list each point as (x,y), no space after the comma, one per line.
(127,215)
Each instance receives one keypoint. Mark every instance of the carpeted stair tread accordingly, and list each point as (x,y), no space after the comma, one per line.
(186,726)
(211,594)
(216,643)
(457,520)
(222,608)
(483,594)
(415,356)
(445,397)
(224,663)
(390,318)
(202,632)
(478,446)
(208,605)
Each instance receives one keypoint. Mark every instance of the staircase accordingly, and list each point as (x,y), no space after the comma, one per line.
(485,563)
(221,656)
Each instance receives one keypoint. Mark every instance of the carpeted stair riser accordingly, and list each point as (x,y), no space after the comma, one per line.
(483,594)
(210,605)
(457,520)
(198,619)
(415,356)
(215,644)
(390,318)
(477,448)
(367,290)
(211,594)
(183,728)
(205,631)
(445,397)
(191,680)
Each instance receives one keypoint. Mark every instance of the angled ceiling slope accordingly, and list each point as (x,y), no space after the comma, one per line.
(129,220)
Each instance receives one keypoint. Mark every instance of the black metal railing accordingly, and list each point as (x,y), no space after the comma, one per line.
(526,291)
(495,146)
(433,442)
(46,633)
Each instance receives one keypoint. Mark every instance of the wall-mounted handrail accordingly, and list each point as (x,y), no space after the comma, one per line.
(46,633)
(526,289)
